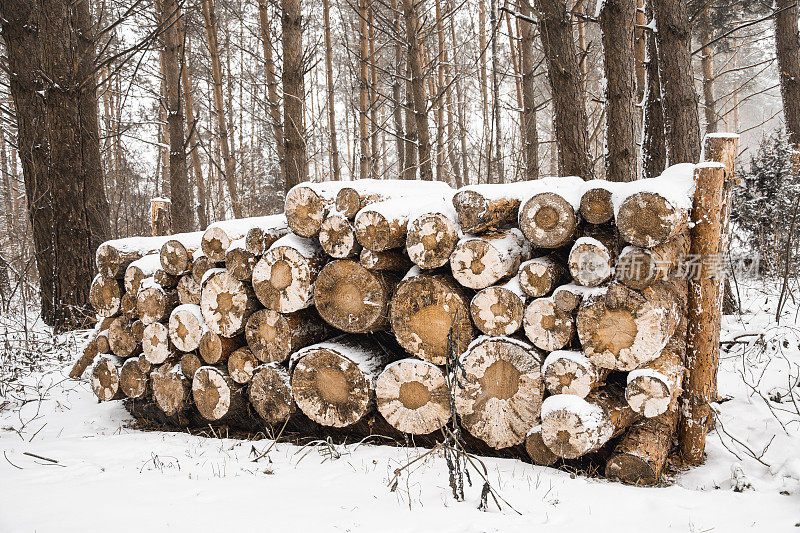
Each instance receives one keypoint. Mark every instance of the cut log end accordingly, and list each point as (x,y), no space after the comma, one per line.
(497,311)
(226,303)
(430,240)
(548,220)
(412,395)
(175,258)
(478,262)
(548,327)
(170,388)
(270,393)
(283,279)
(337,236)
(216,349)
(567,372)
(189,290)
(186,327)
(273,337)
(134,377)
(156,344)
(596,206)
(121,339)
(241,365)
(376,232)
(105,295)
(539,453)
(215,394)
(590,262)
(305,211)
(647,219)
(539,276)
(154,304)
(105,379)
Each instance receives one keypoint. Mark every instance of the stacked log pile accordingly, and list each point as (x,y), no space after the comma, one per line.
(556,303)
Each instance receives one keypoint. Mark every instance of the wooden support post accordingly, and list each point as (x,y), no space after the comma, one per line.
(161,216)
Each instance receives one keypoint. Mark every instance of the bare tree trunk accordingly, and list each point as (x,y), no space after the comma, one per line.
(210,18)
(272,85)
(682,123)
(188,104)
(365,156)
(397,109)
(410,167)
(461,109)
(420,97)
(654,147)
(334,150)
(707,67)
(617,19)
(374,170)
(788,52)
(499,171)
(482,78)
(293,92)
(530,133)
(180,194)
(563,70)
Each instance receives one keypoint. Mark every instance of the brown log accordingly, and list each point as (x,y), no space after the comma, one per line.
(596,205)
(649,218)
(653,388)
(202,264)
(478,262)
(548,327)
(241,365)
(134,377)
(337,236)
(87,357)
(161,216)
(568,297)
(154,303)
(489,206)
(623,329)
(219,235)
(113,257)
(140,269)
(570,372)
(105,295)
(190,362)
(395,260)
(273,337)
(128,306)
(189,290)
(105,378)
(541,275)
(498,310)
(353,299)
(432,236)
(422,312)
(270,393)
(239,261)
(283,279)
(307,205)
(333,381)
(217,396)
(382,225)
(573,426)
(356,195)
(170,388)
(215,349)
(101,341)
(260,238)
(186,327)
(137,330)
(226,304)
(548,218)
(639,267)
(164,279)
(413,397)
(120,338)
(590,262)
(539,453)
(500,393)
(156,345)
(641,455)
(177,253)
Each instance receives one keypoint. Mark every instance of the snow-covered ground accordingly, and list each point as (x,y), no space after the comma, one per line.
(102,475)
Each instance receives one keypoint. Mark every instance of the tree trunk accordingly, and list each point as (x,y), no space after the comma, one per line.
(682,124)
(707,67)
(365,155)
(420,98)
(329,82)
(617,18)
(293,93)
(272,86)
(788,52)
(654,144)
(563,71)
(412,395)
(530,133)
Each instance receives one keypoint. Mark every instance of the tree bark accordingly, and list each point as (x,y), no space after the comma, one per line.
(707,68)
(788,52)
(654,144)
(272,85)
(329,85)
(293,93)
(530,133)
(419,96)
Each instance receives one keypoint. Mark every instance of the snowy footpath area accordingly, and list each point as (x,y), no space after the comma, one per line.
(72,464)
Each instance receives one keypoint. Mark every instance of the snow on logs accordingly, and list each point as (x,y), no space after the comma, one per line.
(226,303)
(413,397)
(571,372)
(546,326)
(590,262)
(498,310)
(480,261)
(176,254)
(432,236)
(217,396)
(355,195)
(113,257)
(105,295)
(105,379)
(548,218)
(541,275)
(218,236)
(337,236)
(186,327)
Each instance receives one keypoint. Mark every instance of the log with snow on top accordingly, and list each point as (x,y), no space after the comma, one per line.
(137,330)
(546,326)
(189,290)
(652,388)
(239,261)
(596,205)
(241,365)
(215,349)
(568,297)
(548,217)
(121,340)
(105,295)
(176,254)
(140,269)
(590,262)
(171,388)
(166,280)
(539,453)
(260,238)
(623,329)
(333,382)
(571,372)
(357,194)
(186,327)
(154,303)
(134,377)
(202,264)
(105,378)
(480,261)
(273,336)
(270,393)
(499,394)
(654,210)
(337,236)
(412,396)
(226,303)
(383,225)
(307,204)
(217,396)
(190,362)
(219,235)
(353,299)
(539,276)
(423,310)
(485,206)
(498,310)
(283,279)
(573,426)
(156,344)
(91,350)
(128,306)
(113,257)
(639,267)
(101,341)
(432,236)
(395,260)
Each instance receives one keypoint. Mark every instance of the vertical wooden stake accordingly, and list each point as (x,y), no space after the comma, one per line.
(161,216)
